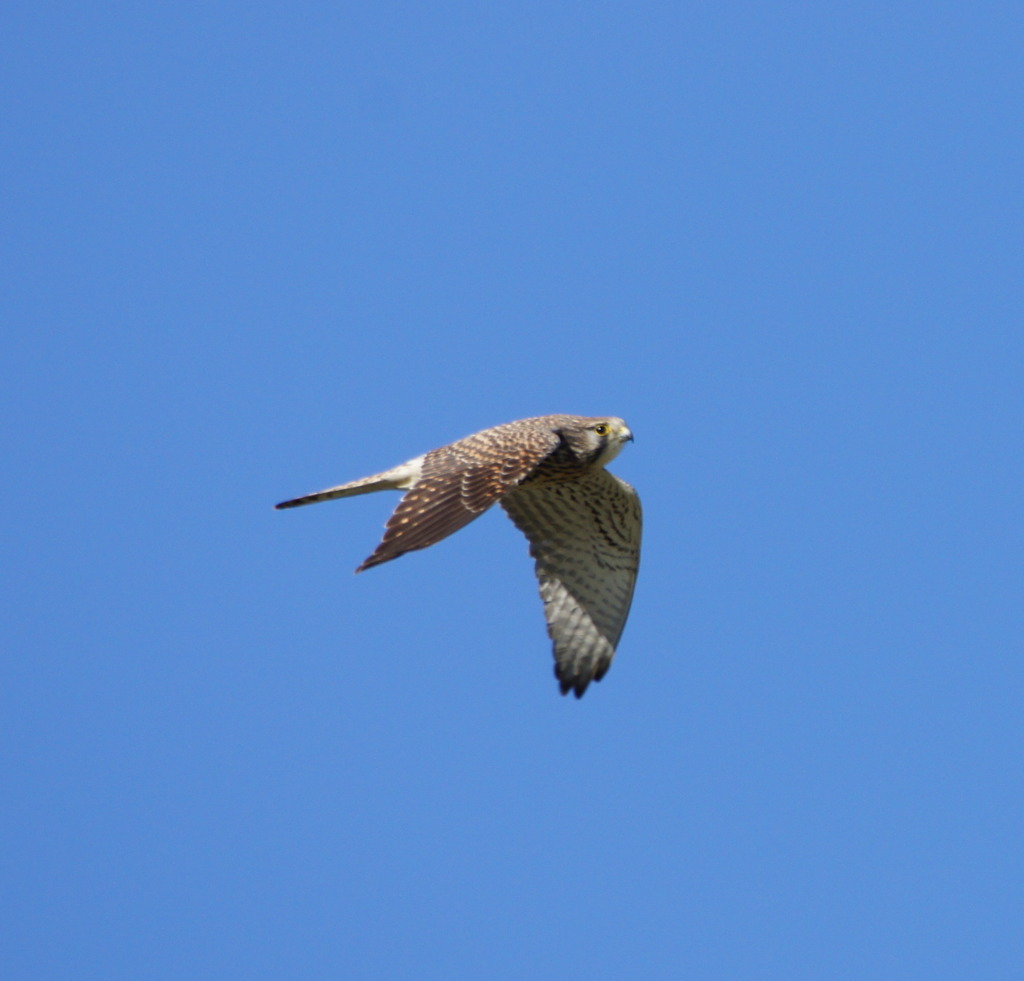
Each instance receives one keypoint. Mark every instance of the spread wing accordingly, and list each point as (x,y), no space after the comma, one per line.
(459,482)
(585,537)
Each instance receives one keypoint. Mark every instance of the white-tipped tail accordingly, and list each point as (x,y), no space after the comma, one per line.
(401,477)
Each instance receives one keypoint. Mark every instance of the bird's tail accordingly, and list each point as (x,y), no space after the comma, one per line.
(401,477)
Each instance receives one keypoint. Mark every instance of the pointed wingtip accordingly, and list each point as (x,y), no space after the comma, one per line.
(370,561)
(575,685)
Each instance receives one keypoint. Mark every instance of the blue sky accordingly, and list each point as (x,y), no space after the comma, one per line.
(251,250)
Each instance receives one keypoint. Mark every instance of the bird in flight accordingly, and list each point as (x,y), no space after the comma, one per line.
(583,523)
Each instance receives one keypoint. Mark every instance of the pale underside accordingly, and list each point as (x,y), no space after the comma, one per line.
(585,537)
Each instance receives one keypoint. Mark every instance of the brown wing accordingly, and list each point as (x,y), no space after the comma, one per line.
(585,536)
(461,481)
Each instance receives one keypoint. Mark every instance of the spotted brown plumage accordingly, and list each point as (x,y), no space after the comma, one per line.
(583,523)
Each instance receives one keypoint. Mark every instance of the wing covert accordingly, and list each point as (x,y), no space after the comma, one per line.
(458,483)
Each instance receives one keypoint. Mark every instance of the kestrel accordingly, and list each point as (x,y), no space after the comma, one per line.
(583,523)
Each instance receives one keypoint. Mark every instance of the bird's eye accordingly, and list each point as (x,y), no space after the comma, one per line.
(601,429)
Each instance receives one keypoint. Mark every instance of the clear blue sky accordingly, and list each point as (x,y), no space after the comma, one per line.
(251,250)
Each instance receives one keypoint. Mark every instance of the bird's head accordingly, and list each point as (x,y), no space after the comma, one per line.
(598,439)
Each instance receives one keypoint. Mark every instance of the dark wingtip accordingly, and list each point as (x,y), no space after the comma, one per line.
(575,685)
(370,561)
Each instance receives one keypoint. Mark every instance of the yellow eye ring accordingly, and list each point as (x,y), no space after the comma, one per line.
(601,429)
